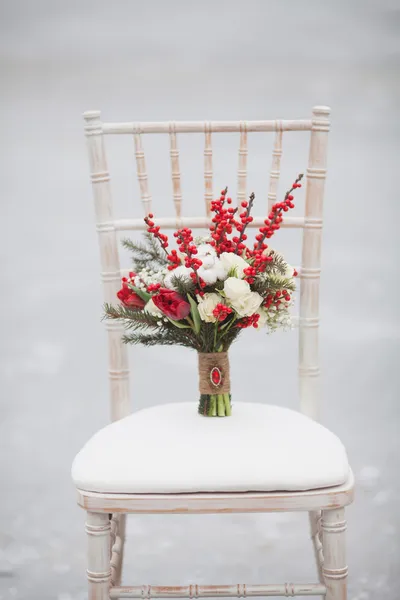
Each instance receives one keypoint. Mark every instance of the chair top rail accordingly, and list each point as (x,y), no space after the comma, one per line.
(200,222)
(210,126)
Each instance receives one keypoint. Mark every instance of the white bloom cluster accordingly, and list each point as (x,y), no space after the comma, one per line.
(236,292)
(147,276)
(278,319)
(240,297)
(213,269)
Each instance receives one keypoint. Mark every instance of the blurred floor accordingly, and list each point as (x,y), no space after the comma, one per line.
(181,60)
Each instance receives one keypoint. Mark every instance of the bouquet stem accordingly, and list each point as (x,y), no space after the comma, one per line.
(214,384)
(215,405)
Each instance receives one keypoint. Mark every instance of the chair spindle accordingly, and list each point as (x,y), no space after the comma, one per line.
(175,171)
(141,171)
(275,168)
(242,169)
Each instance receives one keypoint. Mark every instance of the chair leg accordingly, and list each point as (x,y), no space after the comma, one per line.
(98,572)
(334,547)
(117,547)
(122,528)
(315,533)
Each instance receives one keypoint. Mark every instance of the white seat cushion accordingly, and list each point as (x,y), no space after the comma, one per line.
(171,449)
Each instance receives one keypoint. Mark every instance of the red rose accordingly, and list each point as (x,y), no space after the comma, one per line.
(129,298)
(171,304)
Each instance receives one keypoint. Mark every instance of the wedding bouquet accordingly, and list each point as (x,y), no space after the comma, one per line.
(204,293)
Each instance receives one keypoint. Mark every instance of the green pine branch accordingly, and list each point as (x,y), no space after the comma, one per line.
(278,264)
(165,337)
(131,317)
(145,254)
(269,283)
(183,286)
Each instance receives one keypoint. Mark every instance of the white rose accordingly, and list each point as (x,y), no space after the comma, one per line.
(152,309)
(248,304)
(235,288)
(234,261)
(181,272)
(206,305)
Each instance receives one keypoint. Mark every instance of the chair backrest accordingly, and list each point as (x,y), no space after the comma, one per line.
(311,224)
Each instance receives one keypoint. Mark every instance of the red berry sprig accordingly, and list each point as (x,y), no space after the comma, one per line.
(187,247)
(275,218)
(276,299)
(153,287)
(221,311)
(155,231)
(223,223)
(245,218)
(174,260)
(251,321)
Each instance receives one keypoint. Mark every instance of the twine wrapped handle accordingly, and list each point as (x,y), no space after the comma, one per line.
(214,373)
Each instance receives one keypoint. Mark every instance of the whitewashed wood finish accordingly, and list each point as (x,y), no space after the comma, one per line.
(198,126)
(200,222)
(233,502)
(335,569)
(117,539)
(175,170)
(118,356)
(208,168)
(275,168)
(98,572)
(105,540)
(309,383)
(240,590)
(115,561)
(315,531)
(142,172)
(242,168)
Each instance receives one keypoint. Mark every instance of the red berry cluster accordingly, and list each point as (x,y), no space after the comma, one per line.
(221,311)
(277,298)
(132,275)
(187,247)
(223,223)
(273,223)
(155,230)
(250,274)
(245,218)
(251,321)
(153,287)
(174,260)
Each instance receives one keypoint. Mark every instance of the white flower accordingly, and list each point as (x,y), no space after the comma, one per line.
(152,309)
(211,269)
(241,298)
(248,304)
(146,276)
(234,261)
(205,250)
(236,288)
(206,305)
(182,272)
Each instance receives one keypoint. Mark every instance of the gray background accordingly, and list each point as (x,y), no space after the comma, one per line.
(185,60)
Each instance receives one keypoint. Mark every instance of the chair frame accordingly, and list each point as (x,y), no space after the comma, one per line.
(106,513)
